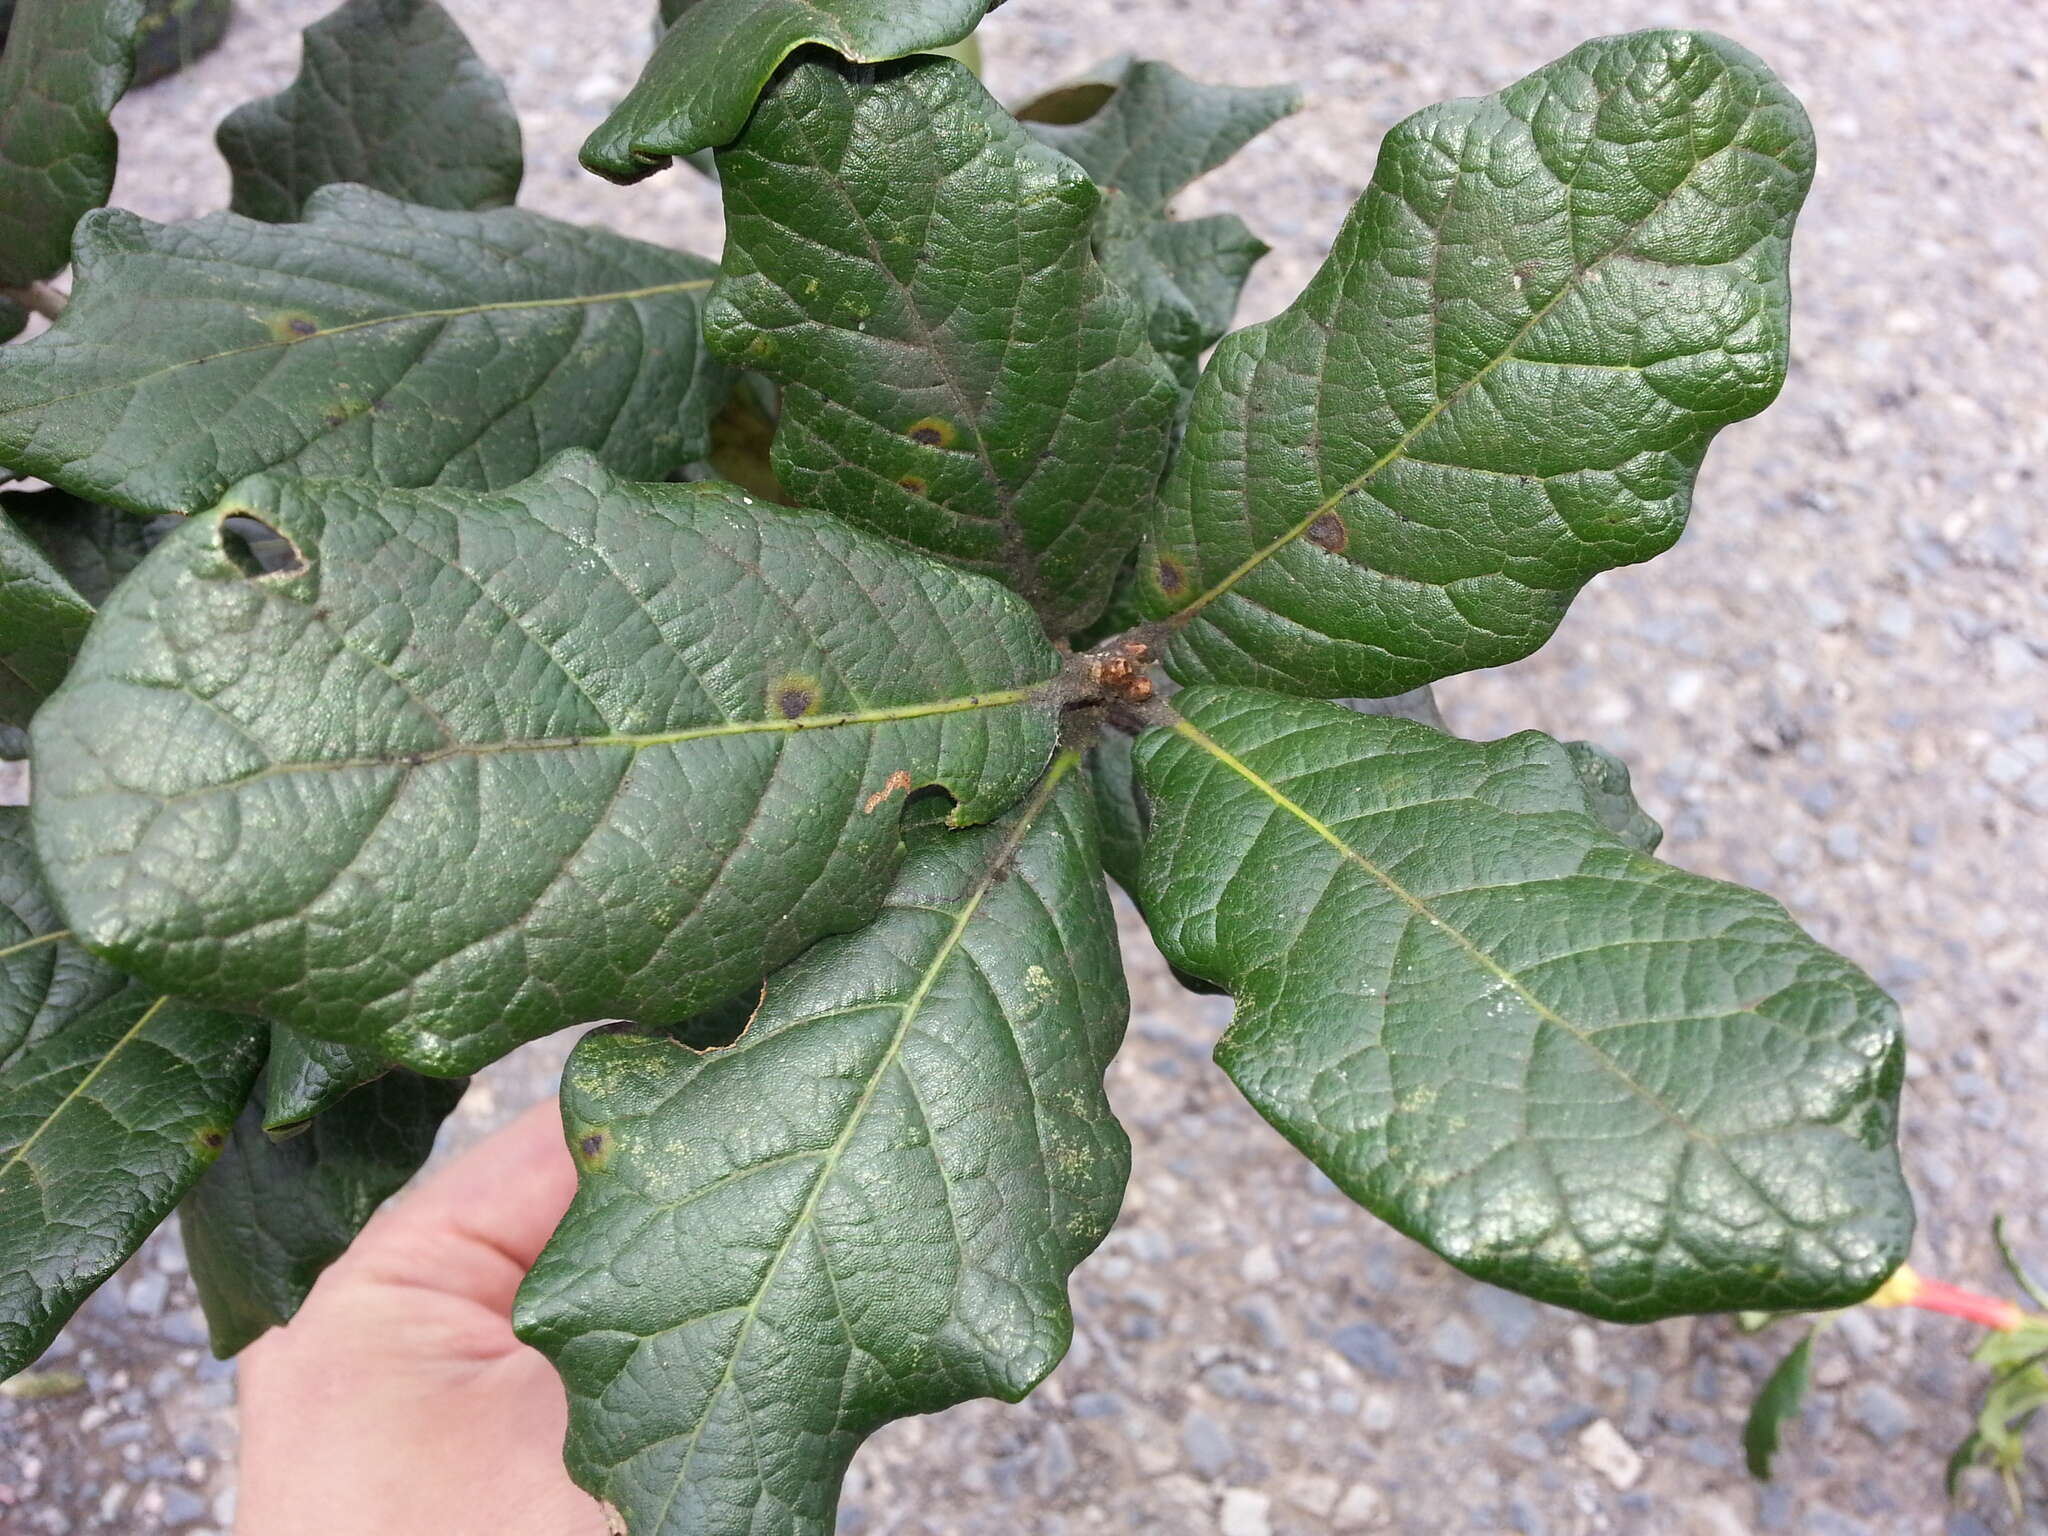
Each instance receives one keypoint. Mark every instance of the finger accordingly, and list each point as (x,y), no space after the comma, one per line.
(475,1228)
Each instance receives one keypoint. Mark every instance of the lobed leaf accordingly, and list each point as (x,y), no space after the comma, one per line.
(43,619)
(868,1207)
(479,767)
(1500,384)
(701,84)
(65,65)
(958,372)
(103,1125)
(92,547)
(407,345)
(1567,1068)
(304,1077)
(46,982)
(1143,131)
(389,94)
(270,1216)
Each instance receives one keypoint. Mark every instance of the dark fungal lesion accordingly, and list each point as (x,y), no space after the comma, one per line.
(794,695)
(1328,532)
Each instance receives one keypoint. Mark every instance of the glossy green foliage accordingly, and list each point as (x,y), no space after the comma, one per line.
(697,90)
(43,619)
(270,1215)
(44,982)
(1143,131)
(65,65)
(173,33)
(866,1208)
(1500,384)
(304,1077)
(1569,1069)
(376,339)
(390,95)
(958,372)
(681,725)
(92,547)
(103,1126)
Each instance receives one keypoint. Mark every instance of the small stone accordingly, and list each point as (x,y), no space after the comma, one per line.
(1097,1405)
(182,1507)
(1369,1347)
(1585,1348)
(1317,1495)
(1508,1317)
(1259,1266)
(1246,1512)
(1362,1506)
(1845,845)
(186,1328)
(1454,1344)
(1602,1448)
(1265,1321)
(1710,1516)
(1206,1445)
(145,1297)
(1056,1464)
(1881,1412)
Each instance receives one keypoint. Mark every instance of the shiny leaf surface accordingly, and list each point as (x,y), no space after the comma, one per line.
(485,766)
(1569,1069)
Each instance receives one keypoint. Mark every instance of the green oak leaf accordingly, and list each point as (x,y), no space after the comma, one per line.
(173,33)
(698,89)
(958,371)
(65,65)
(45,981)
(391,95)
(483,766)
(866,1208)
(270,1216)
(1143,131)
(1567,1068)
(1610,796)
(304,1077)
(92,547)
(1500,384)
(43,620)
(103,1125)
(1778,1404)
(375,339)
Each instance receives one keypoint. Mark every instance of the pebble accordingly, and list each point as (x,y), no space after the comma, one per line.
(1602,1448)
(145,1297)
(1317,1495)
(1369,1347)
(1258,1266)
(1056,1464)
(1880,1412)
(182,1506)
(1453,1343)
(1206,1444)
(1246,1512)
(1363,1505)
(1096,1405)
(1508,1317)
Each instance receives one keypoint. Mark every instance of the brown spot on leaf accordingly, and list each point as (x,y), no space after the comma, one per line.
(900,779)
(933,432)
(1171,575)
(593,1147)
(793,695)
(913,484)
(1328,532)
(213,1138)
(289,325)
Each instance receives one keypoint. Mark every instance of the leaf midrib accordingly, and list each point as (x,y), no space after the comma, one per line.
(1421,908)
(828,1165)
(1400,446)
(127,1039)
(883,715)
(457,312)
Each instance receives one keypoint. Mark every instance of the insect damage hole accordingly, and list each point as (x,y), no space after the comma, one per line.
(257,549)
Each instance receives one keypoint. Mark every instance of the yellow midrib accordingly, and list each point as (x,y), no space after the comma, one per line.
(127,1039)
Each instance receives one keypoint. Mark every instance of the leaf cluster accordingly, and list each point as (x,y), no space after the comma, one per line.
(446,625)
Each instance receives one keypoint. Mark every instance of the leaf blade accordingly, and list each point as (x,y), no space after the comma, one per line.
(1502,382)
(440,665)
(697,90)
(102,1127)
(990,981)
(43,621)
(1568,1069)
(194,354)
(389,94)
(958,371)
(269,1217)
(1777,1404)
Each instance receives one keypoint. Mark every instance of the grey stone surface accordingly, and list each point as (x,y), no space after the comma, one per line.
(1835,688)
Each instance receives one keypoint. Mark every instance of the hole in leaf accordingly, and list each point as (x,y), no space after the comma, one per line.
(257,549)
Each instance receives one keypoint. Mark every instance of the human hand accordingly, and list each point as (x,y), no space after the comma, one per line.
(398,1399)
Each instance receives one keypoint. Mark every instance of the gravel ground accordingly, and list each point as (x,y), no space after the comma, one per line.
(1833,689)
